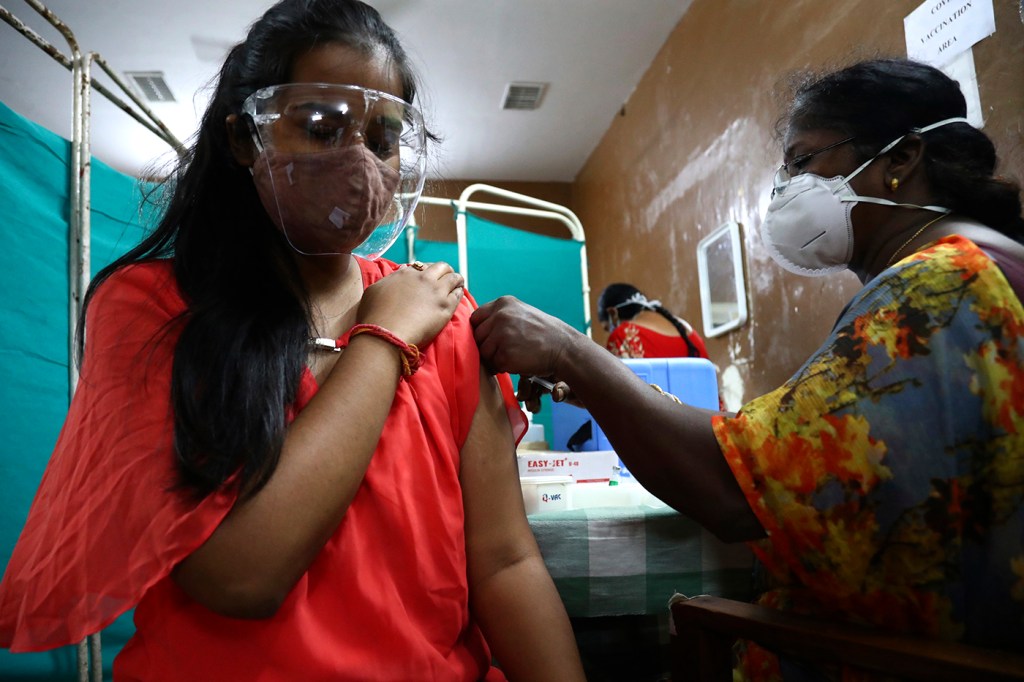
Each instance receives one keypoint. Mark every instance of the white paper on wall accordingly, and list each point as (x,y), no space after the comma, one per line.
(938,31)
(962,71)
(942,33)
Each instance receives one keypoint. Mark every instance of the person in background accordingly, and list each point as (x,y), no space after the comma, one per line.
(884,482)
(641,328)
(286,456)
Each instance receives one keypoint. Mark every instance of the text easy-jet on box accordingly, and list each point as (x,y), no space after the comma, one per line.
(584,467)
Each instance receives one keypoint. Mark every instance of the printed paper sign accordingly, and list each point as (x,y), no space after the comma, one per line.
(940,30)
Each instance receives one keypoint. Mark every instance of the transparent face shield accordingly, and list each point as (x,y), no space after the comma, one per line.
(340,167)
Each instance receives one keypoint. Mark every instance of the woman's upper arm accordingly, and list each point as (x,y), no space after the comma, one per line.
(497,532)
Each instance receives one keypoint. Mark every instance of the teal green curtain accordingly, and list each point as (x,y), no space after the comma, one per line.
(34,171)
(540,270)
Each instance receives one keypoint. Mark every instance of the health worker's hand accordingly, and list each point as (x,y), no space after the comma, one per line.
(517,338)
(414,302)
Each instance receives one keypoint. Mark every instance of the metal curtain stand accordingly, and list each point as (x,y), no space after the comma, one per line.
(545,209)
(80,65)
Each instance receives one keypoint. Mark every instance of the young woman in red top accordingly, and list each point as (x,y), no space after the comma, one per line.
(272,507)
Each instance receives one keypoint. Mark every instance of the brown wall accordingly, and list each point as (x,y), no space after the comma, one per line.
(694,148)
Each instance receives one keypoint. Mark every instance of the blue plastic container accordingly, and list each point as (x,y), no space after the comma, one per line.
(692,380)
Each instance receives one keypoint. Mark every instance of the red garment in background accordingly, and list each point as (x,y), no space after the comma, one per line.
(387,598)
(632,341)
(629,340)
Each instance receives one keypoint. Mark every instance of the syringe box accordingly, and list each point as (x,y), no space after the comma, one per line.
(584,467)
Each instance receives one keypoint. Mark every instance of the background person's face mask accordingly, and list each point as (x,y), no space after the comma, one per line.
(807,228)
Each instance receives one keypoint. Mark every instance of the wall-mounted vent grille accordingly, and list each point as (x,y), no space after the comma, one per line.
(151,85)
(523,96)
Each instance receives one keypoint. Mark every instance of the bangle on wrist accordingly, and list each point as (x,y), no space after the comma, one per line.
(662,391)
(410,354)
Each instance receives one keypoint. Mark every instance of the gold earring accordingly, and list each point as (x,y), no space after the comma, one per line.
(894,183)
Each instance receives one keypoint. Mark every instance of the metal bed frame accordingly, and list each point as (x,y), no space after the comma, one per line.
(79,236)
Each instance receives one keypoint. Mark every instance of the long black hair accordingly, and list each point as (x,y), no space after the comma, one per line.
(879,100)
(630,302)
(243,342)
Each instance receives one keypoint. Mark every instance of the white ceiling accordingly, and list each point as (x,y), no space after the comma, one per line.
(592,52)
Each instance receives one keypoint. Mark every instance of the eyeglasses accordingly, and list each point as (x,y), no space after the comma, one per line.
(785,174)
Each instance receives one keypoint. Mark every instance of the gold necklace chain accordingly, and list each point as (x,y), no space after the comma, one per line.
(892,258)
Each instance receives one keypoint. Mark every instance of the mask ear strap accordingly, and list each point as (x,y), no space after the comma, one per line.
(613,318)
(256,139)
(867,163)
(939,124)
(885,202)
(916,131)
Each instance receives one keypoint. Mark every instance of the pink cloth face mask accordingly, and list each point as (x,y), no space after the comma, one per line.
(325,202)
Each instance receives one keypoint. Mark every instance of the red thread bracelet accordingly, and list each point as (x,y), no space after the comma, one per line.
(411,357)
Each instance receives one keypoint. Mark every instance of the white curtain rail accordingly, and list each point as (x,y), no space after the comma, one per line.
(503,208)
(577,226)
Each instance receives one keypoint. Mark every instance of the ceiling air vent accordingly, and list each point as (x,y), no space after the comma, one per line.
(151,85)
(523,96)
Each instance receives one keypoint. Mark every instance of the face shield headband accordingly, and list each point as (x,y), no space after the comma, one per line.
(635,299)
(340,168)
(640,300)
